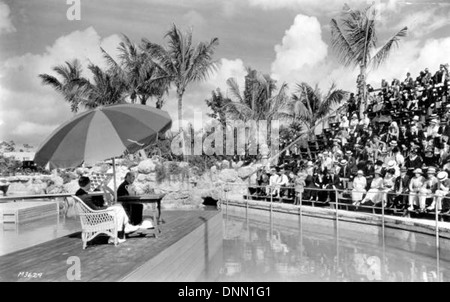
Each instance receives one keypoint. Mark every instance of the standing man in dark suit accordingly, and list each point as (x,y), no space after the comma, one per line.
(333,182)
(135,211)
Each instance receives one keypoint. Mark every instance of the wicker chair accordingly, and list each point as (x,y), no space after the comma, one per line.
(94,223)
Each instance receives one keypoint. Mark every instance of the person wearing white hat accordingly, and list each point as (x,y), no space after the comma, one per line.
(441,192)
(433,130)
(359,187)
(429,187)
(415,185)
(388,184)
(344,171)
(392,164)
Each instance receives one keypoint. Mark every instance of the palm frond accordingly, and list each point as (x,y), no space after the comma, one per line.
(234,90)
(341,45)
(334,97)
(384,52)
(51,81)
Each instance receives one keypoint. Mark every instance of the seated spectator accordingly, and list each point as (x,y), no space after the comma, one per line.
(415,185)
(344,170)
(413,161)
(429,187)
(310,168)
(263,182)
(388,185)
(123,225)
(283,182)
(441,192)
(398,197)
(359,187)
(393,131)
(310,192)
(375,193)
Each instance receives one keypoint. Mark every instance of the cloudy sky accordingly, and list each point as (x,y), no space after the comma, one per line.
(289,39)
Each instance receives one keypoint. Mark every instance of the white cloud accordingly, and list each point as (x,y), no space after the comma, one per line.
(194,18)
(30,109)
(6,25)
(320,7)
(413,56)
(301,49)
(424,22)
(29,128)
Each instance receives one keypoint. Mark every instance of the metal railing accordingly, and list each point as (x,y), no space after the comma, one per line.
(344,201)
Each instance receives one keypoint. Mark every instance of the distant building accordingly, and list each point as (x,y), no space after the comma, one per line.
(20,156)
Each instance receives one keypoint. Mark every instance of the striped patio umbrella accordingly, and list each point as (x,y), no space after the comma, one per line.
(102,133)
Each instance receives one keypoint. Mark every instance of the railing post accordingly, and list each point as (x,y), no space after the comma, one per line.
(271,200)
(336,204)
(301,201)
(436,220)
(57,212)
(382,211)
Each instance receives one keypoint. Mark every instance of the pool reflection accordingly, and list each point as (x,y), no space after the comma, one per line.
(256,250)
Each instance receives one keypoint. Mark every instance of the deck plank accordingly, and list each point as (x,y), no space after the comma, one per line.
(100,261)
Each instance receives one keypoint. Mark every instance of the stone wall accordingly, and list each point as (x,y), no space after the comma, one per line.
(183,187)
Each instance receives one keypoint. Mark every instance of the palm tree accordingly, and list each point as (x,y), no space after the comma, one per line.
(355,43)
(260,100)
(70,84)
(143,79)
(309,106)
(182,61)
(106,89)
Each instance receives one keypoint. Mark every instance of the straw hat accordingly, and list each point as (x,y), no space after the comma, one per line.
(393,143)
(442,176)
(344,162)
(431,170)
(418,171)
(360,172)
(391,164)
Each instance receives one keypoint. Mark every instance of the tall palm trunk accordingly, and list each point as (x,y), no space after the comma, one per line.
(362,106)
(180,110)
(180,124)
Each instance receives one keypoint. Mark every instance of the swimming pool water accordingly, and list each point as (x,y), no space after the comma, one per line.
(274,250)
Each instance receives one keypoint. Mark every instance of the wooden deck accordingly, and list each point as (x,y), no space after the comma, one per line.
(138,259)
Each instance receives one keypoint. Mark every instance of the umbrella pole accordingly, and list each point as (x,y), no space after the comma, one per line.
(114,179)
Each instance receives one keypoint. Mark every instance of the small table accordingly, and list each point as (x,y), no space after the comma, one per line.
(141,199)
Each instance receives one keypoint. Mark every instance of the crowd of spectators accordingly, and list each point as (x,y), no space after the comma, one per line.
(397,154)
